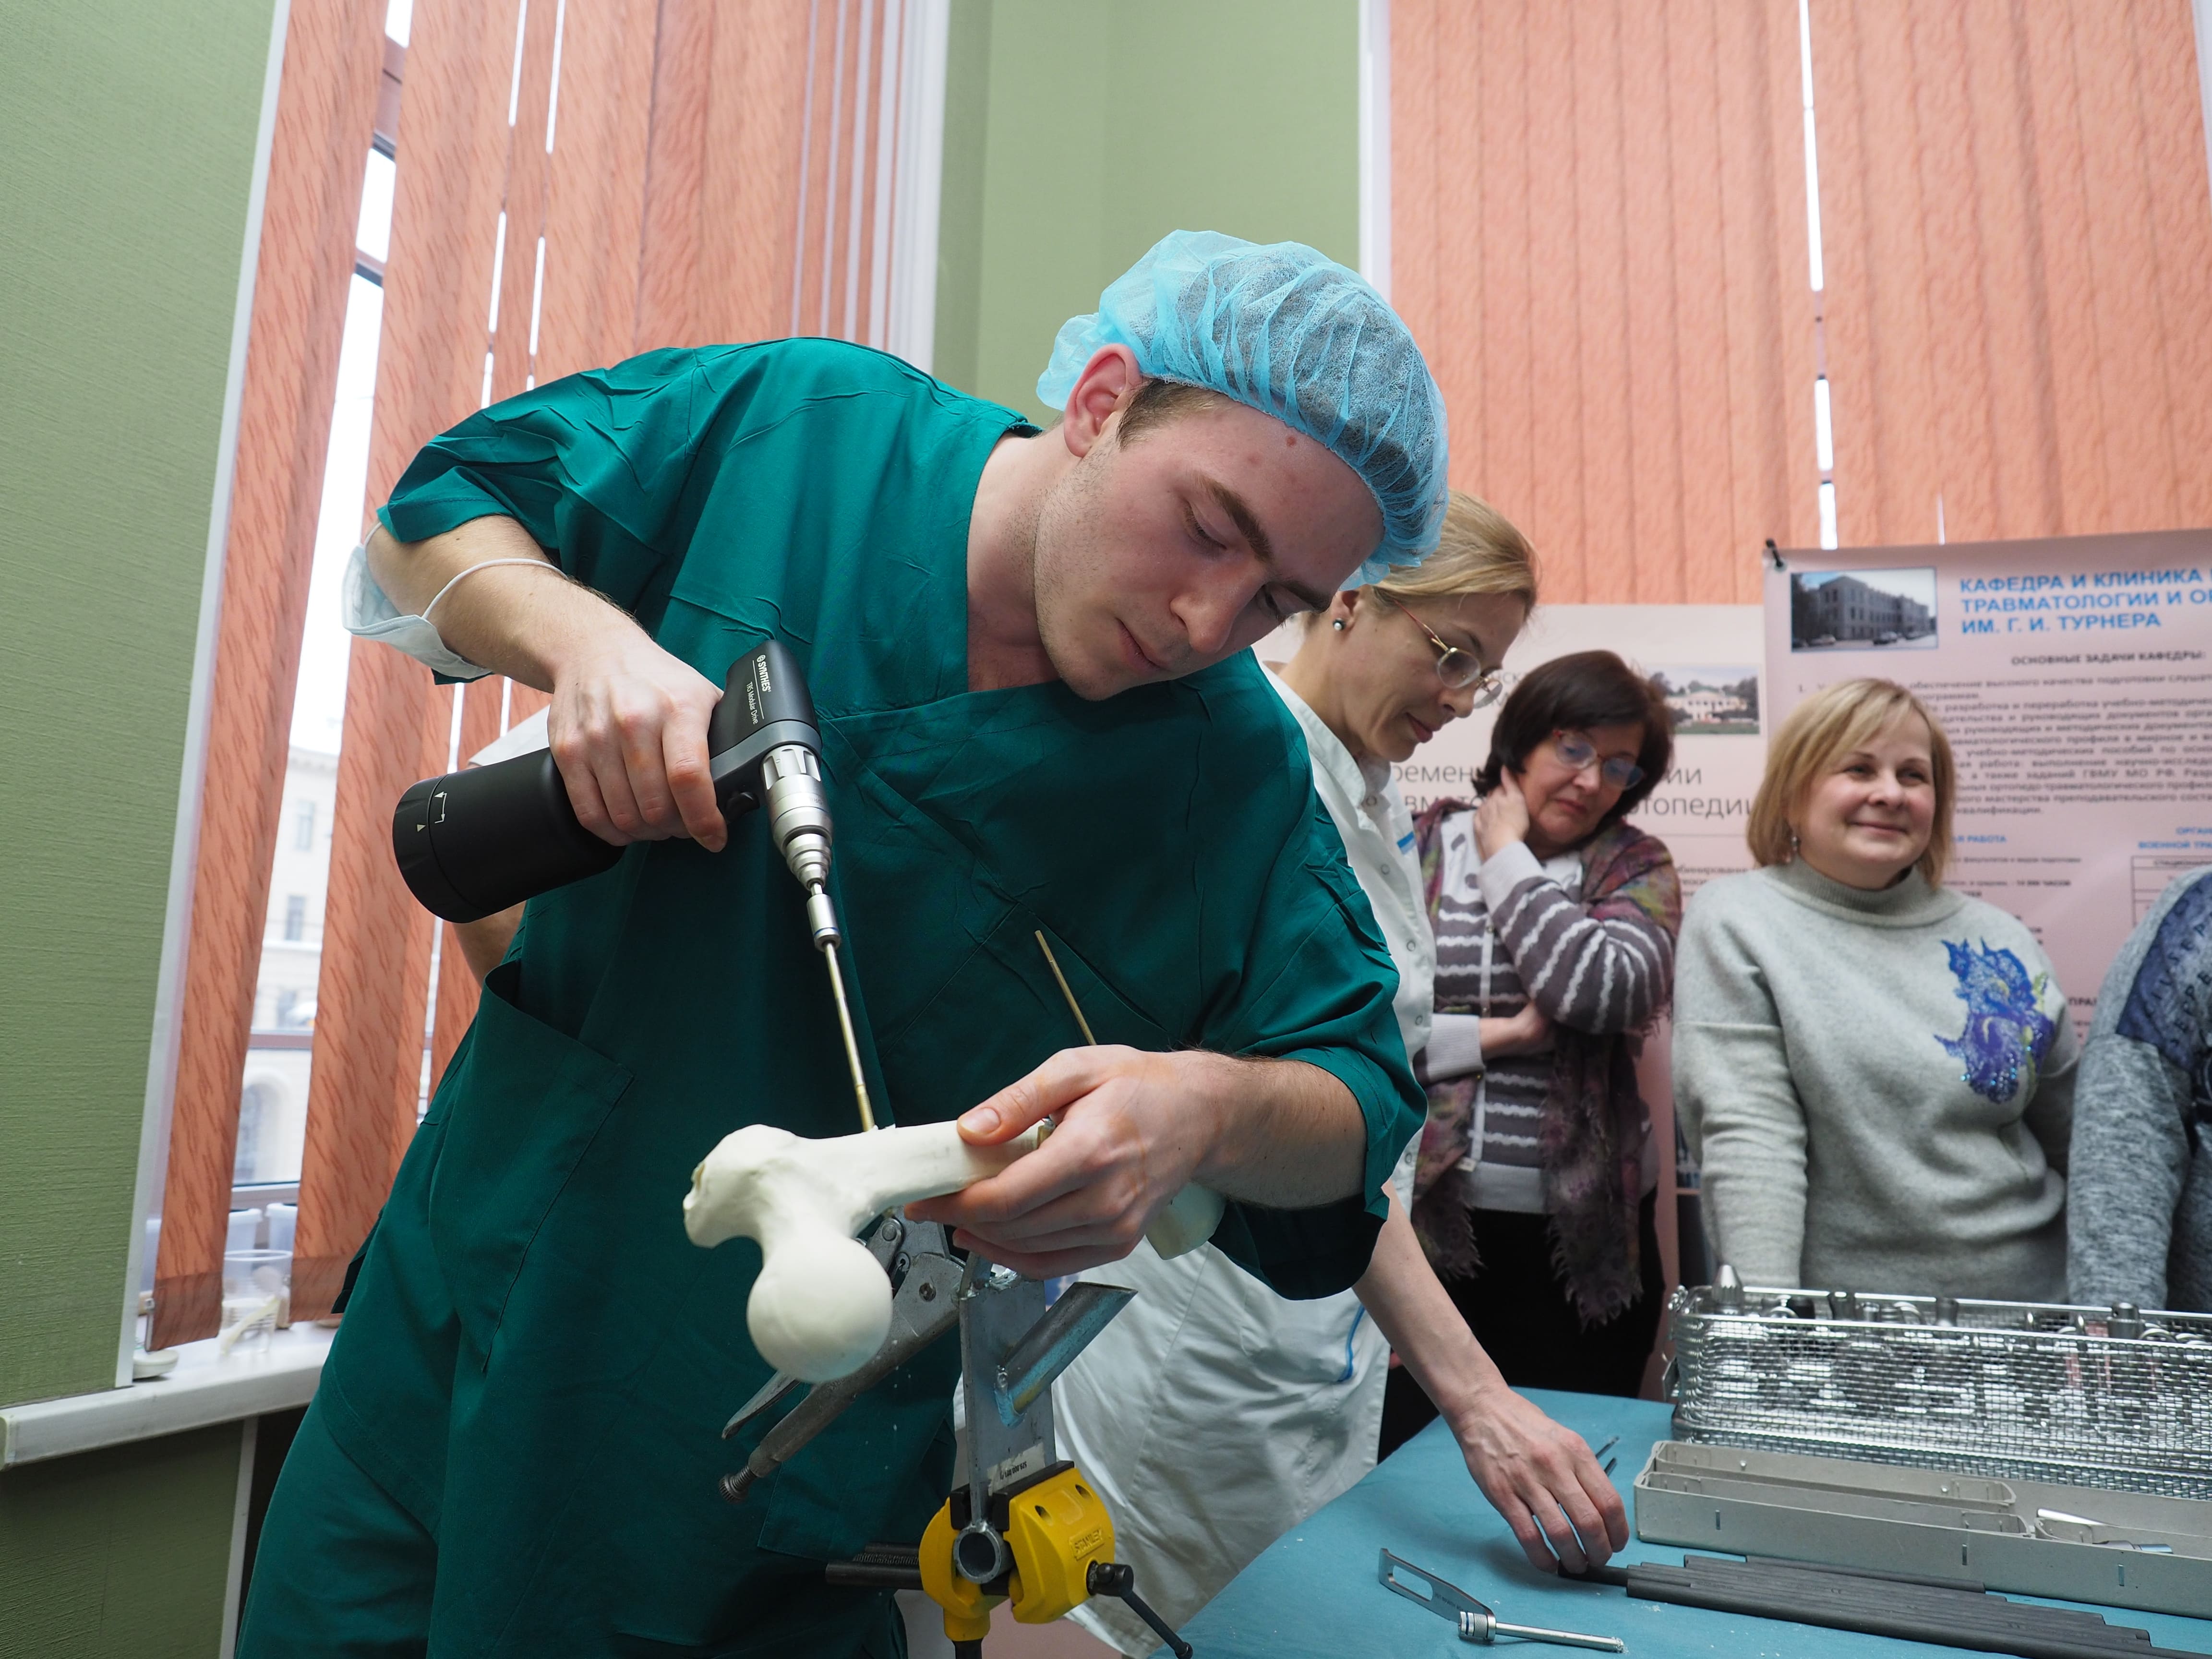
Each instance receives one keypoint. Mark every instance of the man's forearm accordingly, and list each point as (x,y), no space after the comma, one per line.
(1414,1311)
(1288,1135)
(526,624)
(629,721)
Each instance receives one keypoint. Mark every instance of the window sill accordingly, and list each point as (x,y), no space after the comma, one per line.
(275,1376)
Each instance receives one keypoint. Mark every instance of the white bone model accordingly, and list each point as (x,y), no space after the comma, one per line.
(822,1306)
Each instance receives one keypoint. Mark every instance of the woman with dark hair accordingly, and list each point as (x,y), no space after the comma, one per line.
(1555,922)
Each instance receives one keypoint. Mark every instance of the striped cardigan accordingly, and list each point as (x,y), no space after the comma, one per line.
(1599,961)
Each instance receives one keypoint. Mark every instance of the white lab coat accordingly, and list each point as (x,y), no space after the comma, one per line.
(1212,1414)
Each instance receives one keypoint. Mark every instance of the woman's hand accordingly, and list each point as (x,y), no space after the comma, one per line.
(1527,1032)
(1502,817)
(1542,1478)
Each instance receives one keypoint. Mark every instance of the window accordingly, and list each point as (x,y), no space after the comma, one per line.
(295,917)
(303,833)
(256,1111)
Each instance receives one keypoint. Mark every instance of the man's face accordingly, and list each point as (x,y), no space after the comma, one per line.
(1161,556)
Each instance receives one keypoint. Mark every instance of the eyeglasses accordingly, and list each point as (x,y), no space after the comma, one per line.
(1457,669)
(1577,751)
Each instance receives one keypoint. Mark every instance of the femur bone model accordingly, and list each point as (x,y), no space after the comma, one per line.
(822,1306)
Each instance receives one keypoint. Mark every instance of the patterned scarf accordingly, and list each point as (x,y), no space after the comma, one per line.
(1591,1139)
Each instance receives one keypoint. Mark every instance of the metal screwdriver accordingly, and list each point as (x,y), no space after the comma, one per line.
(1485,1628)
(1476,1622)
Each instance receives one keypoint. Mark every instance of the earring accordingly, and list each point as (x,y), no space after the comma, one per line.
(1338,624)
(1793,840)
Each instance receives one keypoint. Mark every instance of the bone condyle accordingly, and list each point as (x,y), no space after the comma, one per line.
(822,1306)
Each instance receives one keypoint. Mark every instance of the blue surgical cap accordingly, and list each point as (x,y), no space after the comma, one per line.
(1294,334)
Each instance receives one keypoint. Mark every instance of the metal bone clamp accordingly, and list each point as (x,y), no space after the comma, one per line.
(925,1305)
(1012,1347)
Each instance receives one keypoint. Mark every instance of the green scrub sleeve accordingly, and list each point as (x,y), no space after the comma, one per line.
(595,466)
(1304,1254)
(1329,1004)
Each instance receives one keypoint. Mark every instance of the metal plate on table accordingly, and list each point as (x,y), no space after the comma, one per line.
(2119,1549)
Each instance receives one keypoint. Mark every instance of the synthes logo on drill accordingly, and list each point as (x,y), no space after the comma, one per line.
(756,692)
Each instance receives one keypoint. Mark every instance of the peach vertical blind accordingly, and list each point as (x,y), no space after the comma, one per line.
(326,110)
(575,184)
(2018,238)
(1599,237)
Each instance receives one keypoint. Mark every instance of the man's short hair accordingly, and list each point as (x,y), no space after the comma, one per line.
(1161,403)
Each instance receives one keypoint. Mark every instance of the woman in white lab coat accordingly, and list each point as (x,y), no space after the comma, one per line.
(1215,1415)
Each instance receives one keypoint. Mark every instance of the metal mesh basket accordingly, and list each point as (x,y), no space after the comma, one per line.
(2086,1396)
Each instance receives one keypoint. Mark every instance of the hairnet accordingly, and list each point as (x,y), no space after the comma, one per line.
(1295,335)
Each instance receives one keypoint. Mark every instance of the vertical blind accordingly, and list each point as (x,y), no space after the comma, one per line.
(2018,237)
(326,110)
(576,183)
(1598,235)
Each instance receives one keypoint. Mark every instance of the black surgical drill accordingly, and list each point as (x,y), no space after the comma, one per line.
(473,843)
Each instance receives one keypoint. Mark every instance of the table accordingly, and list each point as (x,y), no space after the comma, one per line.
(1314,1592)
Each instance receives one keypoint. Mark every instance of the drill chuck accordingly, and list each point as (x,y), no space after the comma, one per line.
(822,919)
(799,813)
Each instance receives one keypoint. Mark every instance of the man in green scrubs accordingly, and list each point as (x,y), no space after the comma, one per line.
(1027,651)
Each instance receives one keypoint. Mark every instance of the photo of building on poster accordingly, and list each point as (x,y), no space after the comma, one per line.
(1862,609)
(1712,703)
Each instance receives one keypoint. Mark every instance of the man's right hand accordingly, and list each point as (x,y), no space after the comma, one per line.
(629,721)
(629,731)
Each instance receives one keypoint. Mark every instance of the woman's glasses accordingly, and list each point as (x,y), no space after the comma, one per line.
(1457,669)
(1577,751)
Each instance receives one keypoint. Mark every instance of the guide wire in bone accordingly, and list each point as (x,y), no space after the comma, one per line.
(845,1027)
(1073,1007)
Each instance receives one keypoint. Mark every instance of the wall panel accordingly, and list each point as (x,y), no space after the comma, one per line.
(133,130)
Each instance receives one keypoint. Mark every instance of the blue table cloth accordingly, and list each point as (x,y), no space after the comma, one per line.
(1314,1593)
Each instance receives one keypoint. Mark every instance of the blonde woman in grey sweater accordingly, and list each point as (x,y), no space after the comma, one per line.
(1875,1071)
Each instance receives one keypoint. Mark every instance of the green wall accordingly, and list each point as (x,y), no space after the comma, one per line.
(119,1554)
(1078,134)
(131,129)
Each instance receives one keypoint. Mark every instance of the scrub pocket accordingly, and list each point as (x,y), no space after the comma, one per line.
(519,1122)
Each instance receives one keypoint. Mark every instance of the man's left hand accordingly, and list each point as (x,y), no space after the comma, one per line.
(1132,1129)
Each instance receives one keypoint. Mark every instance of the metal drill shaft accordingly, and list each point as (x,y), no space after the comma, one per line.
(845,1029)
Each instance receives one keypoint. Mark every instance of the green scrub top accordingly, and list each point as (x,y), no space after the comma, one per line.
(536,1363)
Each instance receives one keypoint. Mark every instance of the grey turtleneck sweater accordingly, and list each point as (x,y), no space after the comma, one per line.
(1879,1087)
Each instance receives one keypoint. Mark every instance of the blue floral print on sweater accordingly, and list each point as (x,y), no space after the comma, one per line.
(2006,1026)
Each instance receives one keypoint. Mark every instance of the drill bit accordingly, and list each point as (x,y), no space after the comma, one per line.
(845,1029)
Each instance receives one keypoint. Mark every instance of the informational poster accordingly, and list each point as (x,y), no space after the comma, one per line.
(2074,678)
